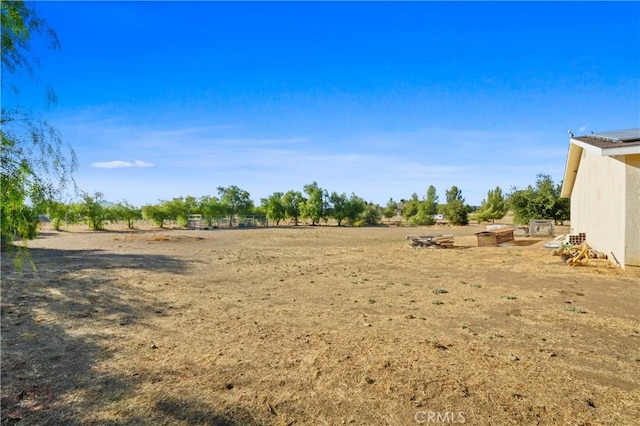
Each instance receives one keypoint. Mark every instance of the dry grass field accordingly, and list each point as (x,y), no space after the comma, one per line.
(314,326)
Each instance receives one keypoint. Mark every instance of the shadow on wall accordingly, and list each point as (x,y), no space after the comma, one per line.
(51,340)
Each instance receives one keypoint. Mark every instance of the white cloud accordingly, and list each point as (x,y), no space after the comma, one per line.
(143,164)
(117,164)
(111,165)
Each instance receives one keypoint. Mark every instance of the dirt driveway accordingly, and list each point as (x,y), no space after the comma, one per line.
(314,326)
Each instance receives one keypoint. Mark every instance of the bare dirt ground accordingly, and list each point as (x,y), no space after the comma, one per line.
(314,326)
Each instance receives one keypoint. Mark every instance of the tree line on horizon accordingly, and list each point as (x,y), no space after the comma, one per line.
(316,206)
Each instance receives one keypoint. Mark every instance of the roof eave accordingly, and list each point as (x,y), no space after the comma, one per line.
(609,151)
(587,146)
(621,150)
(571,168)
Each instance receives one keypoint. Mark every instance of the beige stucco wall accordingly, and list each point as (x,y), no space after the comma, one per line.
(632,172)
(598,203)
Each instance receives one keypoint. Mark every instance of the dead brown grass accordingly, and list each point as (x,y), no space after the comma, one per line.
(314,325)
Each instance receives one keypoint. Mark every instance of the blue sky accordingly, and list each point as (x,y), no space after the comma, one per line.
(383,99)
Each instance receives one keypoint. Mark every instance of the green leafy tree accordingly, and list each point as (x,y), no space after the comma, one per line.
(293,202)
(110,214)
(18,215)
(540,202)
(93,211)
(410,207)
(339,204)
(493,207)
(180,208)
(390,210)
(125,212)
(74,215)
(157,213)
(58,213)
(454,210)
(431,202)
(422,217)
(236,201)
(35,164)
(423,211)
(354,208)
(315,206)
(210,208)
(371,215)
(274,207)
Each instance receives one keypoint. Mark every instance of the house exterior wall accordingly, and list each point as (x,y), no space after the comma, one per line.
(632,171)
(598,204)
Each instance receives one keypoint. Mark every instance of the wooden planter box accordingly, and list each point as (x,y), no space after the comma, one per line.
(494,237)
